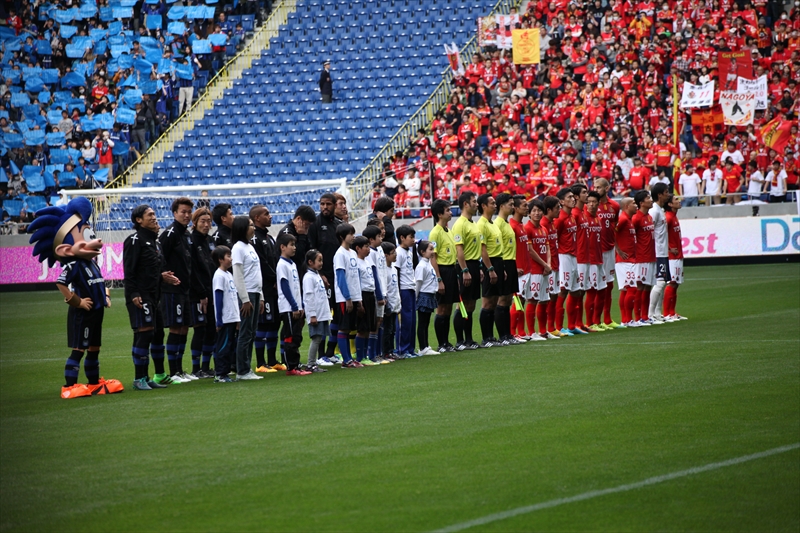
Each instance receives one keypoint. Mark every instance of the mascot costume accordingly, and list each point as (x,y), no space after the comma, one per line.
(63,234)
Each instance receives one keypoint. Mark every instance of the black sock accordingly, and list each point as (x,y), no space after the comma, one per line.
(458,326)
(487,323)
(72,368)
(173,345)
(141,353)
(91,367)
(468,328)
(197,347)
(157,349)
(423,325)
(503,321)
(441,325)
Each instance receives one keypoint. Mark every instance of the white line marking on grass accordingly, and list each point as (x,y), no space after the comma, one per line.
(621,488)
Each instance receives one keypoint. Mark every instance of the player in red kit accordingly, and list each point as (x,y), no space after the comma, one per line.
(581,254)
(626,261)
(567,228)
(645,255)
(540,271)
(608,212)
(523,264)
(675,259)
(596,279)
(552,210)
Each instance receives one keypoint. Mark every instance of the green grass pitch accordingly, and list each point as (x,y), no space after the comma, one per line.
(423,444)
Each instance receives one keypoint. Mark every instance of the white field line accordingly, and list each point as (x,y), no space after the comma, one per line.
(613,490)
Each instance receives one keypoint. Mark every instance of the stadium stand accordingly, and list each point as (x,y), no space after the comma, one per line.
(127,68)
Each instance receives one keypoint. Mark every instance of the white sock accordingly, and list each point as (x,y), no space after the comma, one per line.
(656,298)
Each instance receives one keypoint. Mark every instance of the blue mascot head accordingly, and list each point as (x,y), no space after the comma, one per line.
(63,233)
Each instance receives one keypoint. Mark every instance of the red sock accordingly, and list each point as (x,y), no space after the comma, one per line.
(551,313)
(530,316)
(607,303)
(521,323)
(630,303)
(591,296)
(571,307)
(646,304)
(623,306)
(637,304)
(673,307)
(541,315)
(560,310)
(599,306)
(669,300)
(579,313)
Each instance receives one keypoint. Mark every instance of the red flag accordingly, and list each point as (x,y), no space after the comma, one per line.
(776,134)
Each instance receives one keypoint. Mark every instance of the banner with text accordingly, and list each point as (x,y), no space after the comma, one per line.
(757,87)
(738,109)
(697,95)
(17,265)
(728,237)
(526,46)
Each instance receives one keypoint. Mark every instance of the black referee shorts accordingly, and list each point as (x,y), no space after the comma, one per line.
(511,283)
(494,289)
(84,328)
(450,280)
(473,292)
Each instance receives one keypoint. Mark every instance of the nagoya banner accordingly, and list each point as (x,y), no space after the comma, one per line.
(708,121)
(697,95)
(776,134)
(732,66)
(757,87)
(526,46)
(495,30)
(738,109)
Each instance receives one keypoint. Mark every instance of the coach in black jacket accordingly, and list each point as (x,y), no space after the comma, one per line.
(322,235)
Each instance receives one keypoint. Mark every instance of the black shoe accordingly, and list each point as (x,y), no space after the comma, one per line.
(153,385)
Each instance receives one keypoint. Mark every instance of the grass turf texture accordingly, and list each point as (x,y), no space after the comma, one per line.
(423,444)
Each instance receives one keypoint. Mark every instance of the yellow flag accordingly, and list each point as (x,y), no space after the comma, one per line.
(525,46)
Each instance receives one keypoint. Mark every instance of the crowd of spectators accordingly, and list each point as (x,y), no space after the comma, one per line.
(86,87)
(600,105)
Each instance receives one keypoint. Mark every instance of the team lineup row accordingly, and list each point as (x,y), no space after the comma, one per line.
(243,289)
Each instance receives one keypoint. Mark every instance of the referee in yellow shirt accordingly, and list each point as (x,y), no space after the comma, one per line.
(443,262)
(494,273)
(508,240)
(468,255)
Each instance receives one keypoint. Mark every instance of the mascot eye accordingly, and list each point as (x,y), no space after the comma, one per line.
(88,235)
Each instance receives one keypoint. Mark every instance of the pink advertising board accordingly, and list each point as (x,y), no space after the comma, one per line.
(17,265)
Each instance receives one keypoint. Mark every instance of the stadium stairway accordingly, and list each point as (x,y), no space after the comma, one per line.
(268,124)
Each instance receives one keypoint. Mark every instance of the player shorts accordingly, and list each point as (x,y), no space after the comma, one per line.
(552,283)
(489,289)
(270,316)
(626,275)
(596,278)
(368,321)
(175,310)
(609,265)
(473,292)
(676,270)
(449,274)
(149,316)
(583,276)
(199,318)
(646,273)
(524,286)
(511,283)
(662,269)
(346,321)
(568,272)
(84,328)
(539,288)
